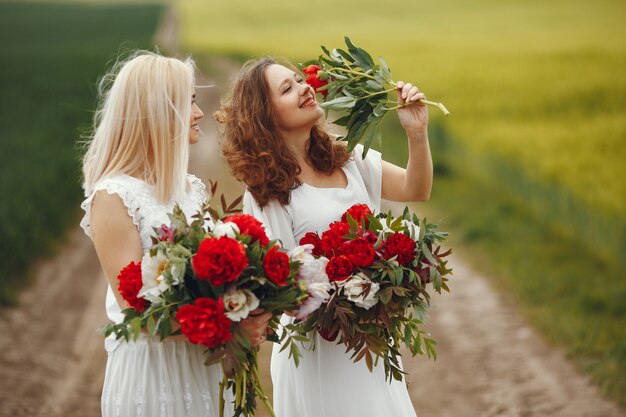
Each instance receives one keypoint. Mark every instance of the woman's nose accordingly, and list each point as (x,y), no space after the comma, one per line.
(305,89)
(197,112)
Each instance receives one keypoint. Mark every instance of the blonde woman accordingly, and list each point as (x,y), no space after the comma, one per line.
(135,170)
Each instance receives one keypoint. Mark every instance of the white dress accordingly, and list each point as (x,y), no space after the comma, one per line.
(327,383)
(149,378)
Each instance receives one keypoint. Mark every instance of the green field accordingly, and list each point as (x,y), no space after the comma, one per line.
(53,55)
(537,92)
(539,85)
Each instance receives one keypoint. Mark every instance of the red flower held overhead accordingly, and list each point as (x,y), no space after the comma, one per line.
(313,80)
(339,268)
(401,245)
(276,266)
(357,212)
(249,226)
(130,284)
(219,260)
(204,322)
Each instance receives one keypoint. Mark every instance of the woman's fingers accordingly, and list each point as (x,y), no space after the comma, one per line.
(408,92)
(256,326)
(417,96)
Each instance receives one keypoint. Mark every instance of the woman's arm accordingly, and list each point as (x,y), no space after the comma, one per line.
(415,182)
(115,238)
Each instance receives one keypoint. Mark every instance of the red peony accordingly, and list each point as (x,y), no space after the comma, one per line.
(313,239)
(359,251)
(333,239)
(204,322)
(401,245)
(249,226)
(370,237)
(219,260)
(339,228)
(339,268)
(313,80)
(358,212)
(130,284)
(276,266)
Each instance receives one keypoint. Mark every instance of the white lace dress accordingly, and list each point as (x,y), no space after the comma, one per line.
(149,378)
(327,383)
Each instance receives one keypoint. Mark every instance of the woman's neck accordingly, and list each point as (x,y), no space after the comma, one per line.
(297,142)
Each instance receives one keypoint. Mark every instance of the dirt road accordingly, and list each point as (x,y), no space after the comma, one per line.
(490,362)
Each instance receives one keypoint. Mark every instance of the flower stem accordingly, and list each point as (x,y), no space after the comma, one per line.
(349,71)
(378,92)
(222,387)
(259,389)
(440,106)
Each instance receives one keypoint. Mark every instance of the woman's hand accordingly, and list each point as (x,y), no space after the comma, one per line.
(255,326)
(413,117)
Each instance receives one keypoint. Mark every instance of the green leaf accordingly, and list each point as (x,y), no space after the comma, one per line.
(150,325)
(342,121)
(344,54)
(135,325)
(384,69)
(340,103)
(361,57)
(372,133)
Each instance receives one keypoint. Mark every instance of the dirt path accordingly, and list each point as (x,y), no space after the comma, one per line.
(490,362)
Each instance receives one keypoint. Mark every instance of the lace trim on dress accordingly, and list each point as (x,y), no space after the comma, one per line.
(111,187)
(198,189)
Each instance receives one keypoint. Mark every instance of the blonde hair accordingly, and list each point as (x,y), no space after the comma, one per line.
(141,127)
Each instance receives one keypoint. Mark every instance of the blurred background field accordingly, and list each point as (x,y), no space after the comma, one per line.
(52,56)
(530,165)
(530,175)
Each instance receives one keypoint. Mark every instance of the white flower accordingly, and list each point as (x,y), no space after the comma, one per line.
(152,269)
(225,229)
(301,253)
(312,276)
(361,291)
(239,303)
(412,228)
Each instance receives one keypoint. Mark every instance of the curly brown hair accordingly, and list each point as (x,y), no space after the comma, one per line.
(256,153)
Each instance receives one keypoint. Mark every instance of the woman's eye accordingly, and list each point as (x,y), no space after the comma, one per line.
(299,80)
(286,90)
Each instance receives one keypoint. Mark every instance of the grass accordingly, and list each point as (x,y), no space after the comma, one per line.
(52,57)
(537,93)
(573,296)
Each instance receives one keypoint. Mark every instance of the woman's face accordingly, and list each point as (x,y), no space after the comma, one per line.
(293,100)
(196,115)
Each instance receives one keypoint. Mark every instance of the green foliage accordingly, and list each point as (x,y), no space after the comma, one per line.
(52,57)
(356,85)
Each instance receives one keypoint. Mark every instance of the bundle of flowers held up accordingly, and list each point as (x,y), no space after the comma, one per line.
(381,271)
(202,278)
(353,85)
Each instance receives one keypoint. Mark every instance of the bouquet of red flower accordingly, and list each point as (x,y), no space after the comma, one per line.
(352,83)
(381,270)
(205,278)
